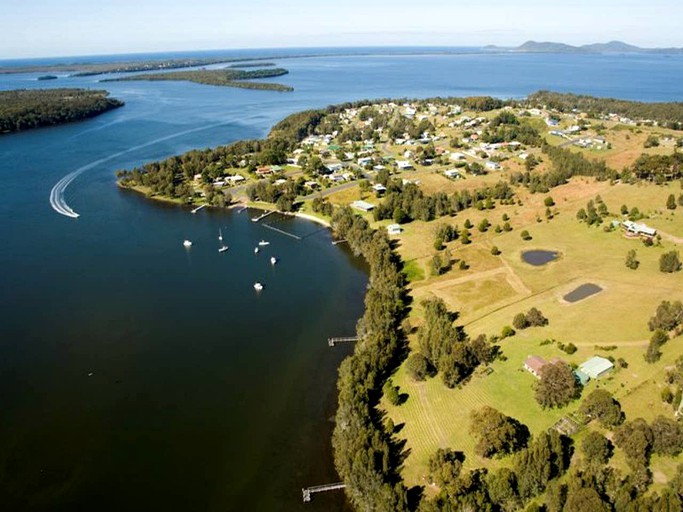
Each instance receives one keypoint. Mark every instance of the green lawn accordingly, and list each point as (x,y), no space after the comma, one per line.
(496,288)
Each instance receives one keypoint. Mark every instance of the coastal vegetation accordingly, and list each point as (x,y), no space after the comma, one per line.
(668,115)
(438,409)
(24,109)
(221,77)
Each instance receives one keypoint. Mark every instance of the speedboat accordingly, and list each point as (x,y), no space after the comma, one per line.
(223,248)
(187,243)
(258,286)
(263,242)
(220,235)
(255,250)
(273,260)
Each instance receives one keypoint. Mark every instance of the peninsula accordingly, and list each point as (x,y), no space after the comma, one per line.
(24,109)
(522,339)
(220,77)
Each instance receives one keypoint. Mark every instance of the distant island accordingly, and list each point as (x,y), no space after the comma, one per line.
(25,109)
(610,47)
(221,77)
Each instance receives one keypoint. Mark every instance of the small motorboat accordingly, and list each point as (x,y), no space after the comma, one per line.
(273,260)
(187,243)
(255,250)
(223,248)
(263,242)
(258,286)
(220,235)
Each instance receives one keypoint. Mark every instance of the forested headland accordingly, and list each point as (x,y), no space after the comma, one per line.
(25,109)
(221,77)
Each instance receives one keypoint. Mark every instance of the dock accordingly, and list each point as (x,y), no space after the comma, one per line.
(281,231)
(263,216)
(198,208)
(308,491)
(335,242)
(348,339)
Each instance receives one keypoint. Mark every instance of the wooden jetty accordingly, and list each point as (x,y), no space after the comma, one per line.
(198,208)
(335,242)
(308,491)
(281,231)
(348,339)
(261,217)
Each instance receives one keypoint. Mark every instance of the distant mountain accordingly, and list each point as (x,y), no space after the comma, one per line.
(611,47)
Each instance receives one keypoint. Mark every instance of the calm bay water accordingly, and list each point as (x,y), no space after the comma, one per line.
(204,395)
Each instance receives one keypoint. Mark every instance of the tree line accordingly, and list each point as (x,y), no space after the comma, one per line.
(667,114)
(24,109)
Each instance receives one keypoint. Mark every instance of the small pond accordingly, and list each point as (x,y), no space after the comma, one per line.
(538,257)
(583,291)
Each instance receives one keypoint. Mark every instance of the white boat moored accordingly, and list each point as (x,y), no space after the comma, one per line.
(258,286)
(187,243)
(255,250)
(273,260)
(263,242)
(223,248)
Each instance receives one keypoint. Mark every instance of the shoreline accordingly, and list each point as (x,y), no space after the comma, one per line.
(231,206)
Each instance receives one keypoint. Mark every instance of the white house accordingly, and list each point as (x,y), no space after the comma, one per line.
(394,229)
(379,188)
(452,173)
(492,166)
(363,206)
(638,229)
(403,165)
(457,156)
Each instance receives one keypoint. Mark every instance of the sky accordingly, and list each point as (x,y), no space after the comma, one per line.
(44,28)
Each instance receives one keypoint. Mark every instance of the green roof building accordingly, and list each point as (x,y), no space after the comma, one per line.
(596,367)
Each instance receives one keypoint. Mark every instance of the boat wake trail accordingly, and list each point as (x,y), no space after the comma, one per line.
(57,200)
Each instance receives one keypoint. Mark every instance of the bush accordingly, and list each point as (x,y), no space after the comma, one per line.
(520,321)
(495,251)
(631,260)
(669,262)
(391,392)
(548,201)
(535,318)
(525,235)
(418,367)
(507,332)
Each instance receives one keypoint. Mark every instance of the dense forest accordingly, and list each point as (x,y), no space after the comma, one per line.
(222,77)
(669,115)
(25,109)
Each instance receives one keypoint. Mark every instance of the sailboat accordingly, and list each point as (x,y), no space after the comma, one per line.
(273,260)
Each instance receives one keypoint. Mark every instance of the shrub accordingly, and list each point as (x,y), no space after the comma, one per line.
(418,367)
(525,235)
(548,201)
(520,321)
(495,251)
(670,262)
(535,318)
(631,260)
(507,332)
